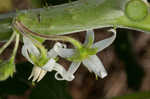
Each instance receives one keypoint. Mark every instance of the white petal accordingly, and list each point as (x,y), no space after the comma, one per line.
(52,53)
(106,42)
(73,67)
(94,64)
(42,74)
(25,53)
(89,35)
(62,73)
(49,65)
(69,75)
(64,77)
(58,76)
(63,52)
(30,46)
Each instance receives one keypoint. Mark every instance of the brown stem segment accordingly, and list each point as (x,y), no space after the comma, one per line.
(24,30)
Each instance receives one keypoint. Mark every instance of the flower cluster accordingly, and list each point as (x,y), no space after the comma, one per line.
(45,61)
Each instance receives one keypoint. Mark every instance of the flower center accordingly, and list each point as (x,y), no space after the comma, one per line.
(83,53)
(39,61)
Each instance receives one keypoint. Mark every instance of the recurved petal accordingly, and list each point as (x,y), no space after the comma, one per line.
(30,46)
(89,37)
(62,73)
(94,64)
(69,75)
(66,77)
(25,53)
(106,42)
(49,65)
(52,53)
(63,52)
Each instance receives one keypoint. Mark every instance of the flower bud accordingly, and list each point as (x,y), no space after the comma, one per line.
(7,68)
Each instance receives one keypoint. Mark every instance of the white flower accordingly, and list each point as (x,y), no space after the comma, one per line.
(39,72)
(87,54)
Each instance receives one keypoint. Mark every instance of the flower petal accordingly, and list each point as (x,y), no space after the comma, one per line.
(29,47)
(106,42)
(73,67)
(94,64)
(69,74)
(89,37)
(52,53)
(49,65)
(63,52)
(25,53)
(61,73)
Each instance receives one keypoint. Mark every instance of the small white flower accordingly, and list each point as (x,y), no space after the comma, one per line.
(90,60)
(39,72)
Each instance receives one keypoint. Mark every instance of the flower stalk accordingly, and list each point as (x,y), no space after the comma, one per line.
(7,43)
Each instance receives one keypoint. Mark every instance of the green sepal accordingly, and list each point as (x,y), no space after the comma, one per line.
(82,54)
(39,60)
(42,59)
(90,42)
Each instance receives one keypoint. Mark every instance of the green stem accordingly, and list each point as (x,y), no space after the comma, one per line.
(75,42)
(7,43)
(16,46)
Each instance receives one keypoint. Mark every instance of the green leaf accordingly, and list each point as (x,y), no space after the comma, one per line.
(50,88)
(138,95)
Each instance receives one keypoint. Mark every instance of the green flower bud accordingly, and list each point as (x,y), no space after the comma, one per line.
(7,68)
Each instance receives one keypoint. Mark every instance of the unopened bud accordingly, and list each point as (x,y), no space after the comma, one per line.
(7,68)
